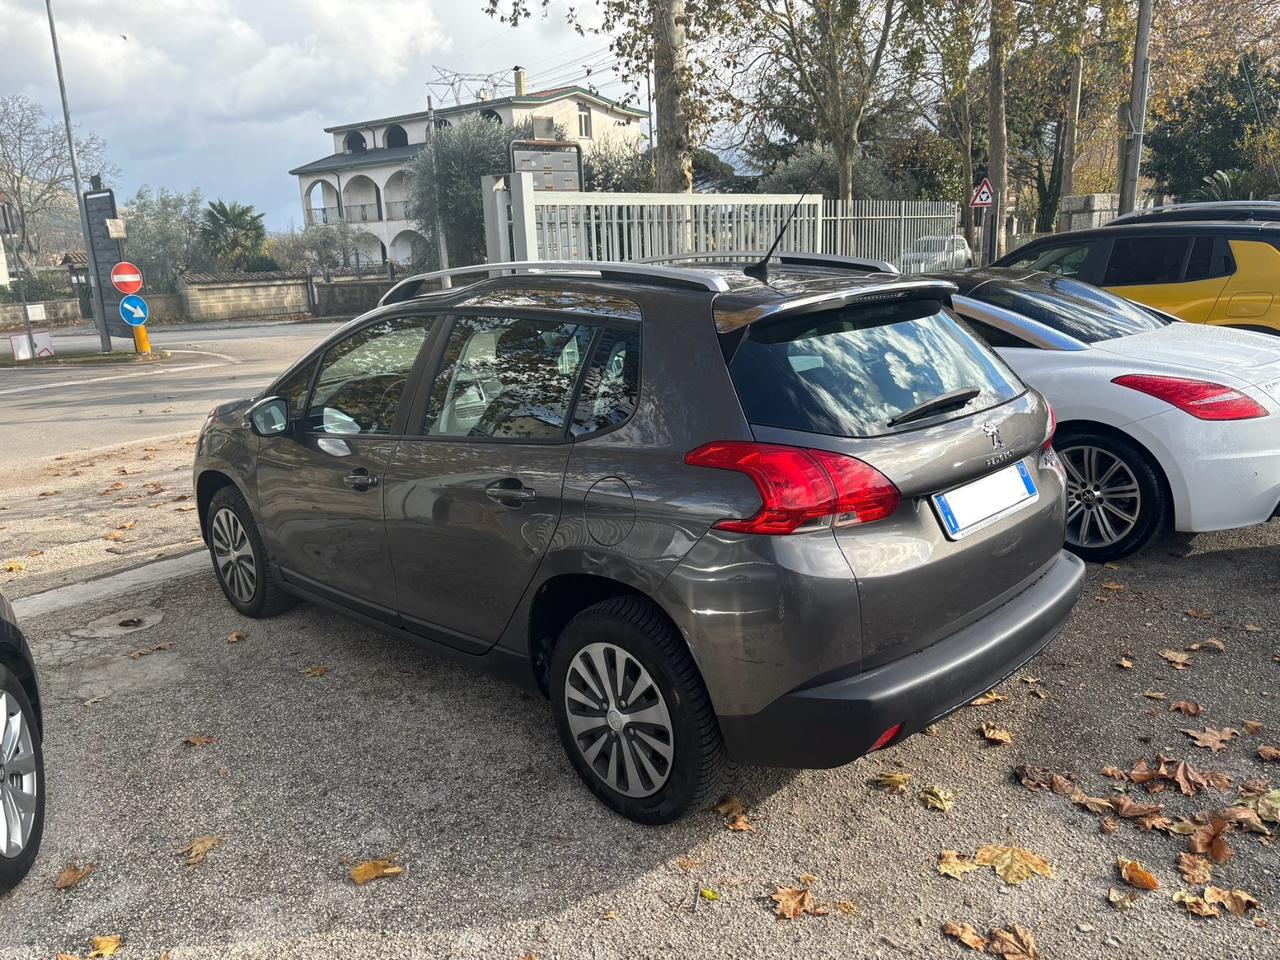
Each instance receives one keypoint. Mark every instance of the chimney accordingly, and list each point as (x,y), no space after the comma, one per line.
(519,77)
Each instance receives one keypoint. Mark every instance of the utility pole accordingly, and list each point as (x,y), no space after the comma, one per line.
(1137,118)
(95,295)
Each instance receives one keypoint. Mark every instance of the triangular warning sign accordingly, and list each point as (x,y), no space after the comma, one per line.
(983,196)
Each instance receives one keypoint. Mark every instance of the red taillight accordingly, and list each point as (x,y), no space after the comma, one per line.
(1200,398)
(884,738)
(799,486)
(1053,427)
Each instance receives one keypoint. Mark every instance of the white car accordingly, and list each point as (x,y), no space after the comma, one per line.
(1159,421)
(936,253)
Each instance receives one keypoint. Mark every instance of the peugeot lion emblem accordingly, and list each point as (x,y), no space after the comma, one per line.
(991,430)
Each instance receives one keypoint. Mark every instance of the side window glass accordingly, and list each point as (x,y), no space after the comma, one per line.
(506,378)
(1137,260)
(1200,265)
(362,378)
(1065,261)
(611,386)
(295,387)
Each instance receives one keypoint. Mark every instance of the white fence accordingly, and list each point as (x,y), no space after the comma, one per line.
(524,224)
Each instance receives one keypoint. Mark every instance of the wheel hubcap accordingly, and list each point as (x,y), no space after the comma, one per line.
(1103,499)
(619,720)
(233,555)
(18,781)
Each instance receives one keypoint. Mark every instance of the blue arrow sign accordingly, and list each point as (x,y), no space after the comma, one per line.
(134,310)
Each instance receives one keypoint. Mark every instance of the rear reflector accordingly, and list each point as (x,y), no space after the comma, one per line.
(1053,427)
(800,487)
(884,738)
(1202,399)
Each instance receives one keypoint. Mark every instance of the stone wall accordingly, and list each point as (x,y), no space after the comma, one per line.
(348,298)
(244,299)
(58,313)
(1088,210)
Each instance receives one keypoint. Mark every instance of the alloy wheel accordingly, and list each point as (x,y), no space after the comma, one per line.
(19,781)
(233,555)
(619,720)
(1103,497)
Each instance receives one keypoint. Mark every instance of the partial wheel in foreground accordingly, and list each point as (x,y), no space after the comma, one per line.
(21,783)
(240,557)
(633,714)
(1115,500)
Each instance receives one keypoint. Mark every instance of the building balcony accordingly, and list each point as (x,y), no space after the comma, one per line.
(322,215)
(397,209)
(362,212)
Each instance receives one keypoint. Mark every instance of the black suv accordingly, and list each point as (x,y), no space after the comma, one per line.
(786,519)
(21,754)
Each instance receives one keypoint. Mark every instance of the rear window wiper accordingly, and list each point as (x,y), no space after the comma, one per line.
(944,401)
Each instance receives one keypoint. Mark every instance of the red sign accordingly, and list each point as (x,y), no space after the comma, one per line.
(126,277)
(984,196)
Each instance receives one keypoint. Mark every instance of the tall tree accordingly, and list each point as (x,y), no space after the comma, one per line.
(35,169)
(165,237)
(234,232)
(999,35)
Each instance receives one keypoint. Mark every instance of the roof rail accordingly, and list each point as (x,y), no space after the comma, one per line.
(410,287)
(796,258)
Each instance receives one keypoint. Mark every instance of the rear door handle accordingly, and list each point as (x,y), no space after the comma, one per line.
(360,479)
(509,491)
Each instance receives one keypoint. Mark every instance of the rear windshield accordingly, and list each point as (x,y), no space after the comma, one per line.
(850,372)
(1077,309)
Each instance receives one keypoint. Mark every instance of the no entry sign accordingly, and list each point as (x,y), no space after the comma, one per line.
(126,277)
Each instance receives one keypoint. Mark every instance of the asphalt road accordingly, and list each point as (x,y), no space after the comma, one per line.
(391,751)
(52,410)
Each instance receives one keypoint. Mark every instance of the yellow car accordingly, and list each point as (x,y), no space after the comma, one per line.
(1225,273)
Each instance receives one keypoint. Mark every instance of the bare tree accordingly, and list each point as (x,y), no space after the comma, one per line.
(998,41)
(35,168)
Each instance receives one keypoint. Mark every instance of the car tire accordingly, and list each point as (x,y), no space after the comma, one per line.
(21,779)
(619,756)
(1115,494)
(240,558)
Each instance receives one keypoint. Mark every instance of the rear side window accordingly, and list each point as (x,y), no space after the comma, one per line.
(1066,261)
(849,372)
(611,385)
(1141,260)
(1210,257)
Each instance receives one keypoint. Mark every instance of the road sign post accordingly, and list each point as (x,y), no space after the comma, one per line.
(127,278)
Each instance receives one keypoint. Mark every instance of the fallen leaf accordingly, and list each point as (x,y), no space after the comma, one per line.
(993,734)
(794,902)
(1108,825)
(314,671)
(892,782)
(199,848)
(1112,585)
(953,864)
(114,535)
(48,493)
(1096,805)
(610,915)
(14,566)
(1115,773)
(1013,864)
(738,823)
(237,636)
(1195,905)
(1013,943)
(1039,778)
(71,876)
(932,730)
(965,934)
(1210,838)
(1039,693)
(807,879)
(728,806)
(1176,658)
(1213,643)
(1124,807)
(1155,822)
(185,508)
(1195,868)
(846,907)
(1153,694)
(1124,663)
(1121,899)
(103,947)
(1238,902)
(40,553)
(989,697)
(935,798)
(1200,614)
(1210,738)
(1186,708)
(1244,817)
(373,869)
(1252,628)
(708,894)
(127,525)
(147,651)
(1136,875)
(118,485)
(1252,727)
(686,863)
(1269,754)
(1189,780)
(199,740)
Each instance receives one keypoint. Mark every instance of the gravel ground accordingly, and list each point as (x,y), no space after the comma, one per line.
(394,752)
(68,518)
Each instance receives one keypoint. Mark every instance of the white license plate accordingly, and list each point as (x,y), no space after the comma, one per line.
(968,509)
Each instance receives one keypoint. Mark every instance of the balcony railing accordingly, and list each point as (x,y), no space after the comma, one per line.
(322,215)
(397,209)
(362,212)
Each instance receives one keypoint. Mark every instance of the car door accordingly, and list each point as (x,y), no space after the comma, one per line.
(473,500)
(320,486)
(1182,275)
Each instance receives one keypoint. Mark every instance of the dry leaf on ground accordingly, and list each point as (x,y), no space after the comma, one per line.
(1238,902)
(1195,868)
(315,670)
(1252,628)
(794,902)
(1252,727)
(728,806)
(738,823)
(1186,708)
(965,934)
(14,566)
(953,864)
(1112,585)
(1013,943)
(1200,614)
(1176,659)
(892,782)
(199,740)
(989,697)
(1211,738)
(1124,663)
(1013,864)
(1040,778)
(1153,694)
(711,896)
(199,848)
(1213,643)
(1269,754)
(1210,839)
(237,636)
(1115,773)
(1124,807)
(1195,905)
(1136,875)
(72,875)
(993,734)
(935,798)
(846,907)
(1121,899)
(1097,805)
(373,869)
(103,947)
(1108,825)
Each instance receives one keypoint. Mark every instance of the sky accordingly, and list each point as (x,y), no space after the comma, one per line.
(228,95)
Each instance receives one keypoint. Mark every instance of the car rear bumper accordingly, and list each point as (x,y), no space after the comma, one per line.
(835,723)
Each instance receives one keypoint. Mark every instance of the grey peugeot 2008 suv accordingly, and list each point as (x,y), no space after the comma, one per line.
(784,520)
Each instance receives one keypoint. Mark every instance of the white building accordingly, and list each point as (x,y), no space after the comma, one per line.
(364,181)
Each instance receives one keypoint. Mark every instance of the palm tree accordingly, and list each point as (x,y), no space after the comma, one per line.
(1225,185)
(234,232)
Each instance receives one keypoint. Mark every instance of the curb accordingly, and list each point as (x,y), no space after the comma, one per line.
(109,585)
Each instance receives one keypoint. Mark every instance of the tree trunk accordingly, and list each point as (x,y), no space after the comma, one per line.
(670,77)
(966,171)
(1072,125)
(998,165)
(844,154)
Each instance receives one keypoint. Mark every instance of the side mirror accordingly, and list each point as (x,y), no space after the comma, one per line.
(269,417)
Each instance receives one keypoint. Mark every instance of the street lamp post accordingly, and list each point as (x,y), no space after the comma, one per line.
(95,295)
